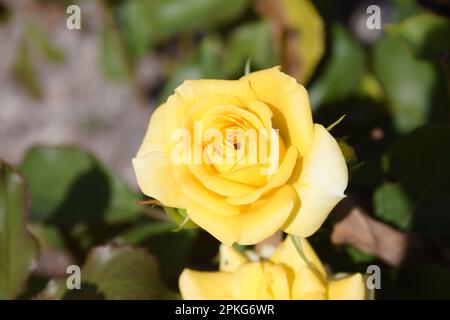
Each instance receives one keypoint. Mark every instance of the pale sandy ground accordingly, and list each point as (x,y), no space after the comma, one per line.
(79,105)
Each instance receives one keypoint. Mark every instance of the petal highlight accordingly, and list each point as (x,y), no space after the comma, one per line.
(289,103)
(320,186)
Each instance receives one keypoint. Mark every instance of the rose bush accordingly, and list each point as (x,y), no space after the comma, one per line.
(243,201)
(285,275)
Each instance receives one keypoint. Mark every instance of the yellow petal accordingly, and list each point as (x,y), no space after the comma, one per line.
(278,279)
(320,186)
(155,130)
(196,285)
(176,113)
(307,286)
(195,192)
(280,177)
(261,280)
(193,91)
(263,111)
(218,184)
(250,175)
(197,111)
(289,103)
(287,254)
(257,175)
(211,115)
(230,259)
(164,121)
(153,166)
(249,282)
(255,222)
(349,288)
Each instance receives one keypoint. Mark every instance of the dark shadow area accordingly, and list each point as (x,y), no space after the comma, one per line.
(424,159)
(86,201)
(88,291)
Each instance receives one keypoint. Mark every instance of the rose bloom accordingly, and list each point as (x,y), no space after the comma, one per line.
(284,275)
(243,201)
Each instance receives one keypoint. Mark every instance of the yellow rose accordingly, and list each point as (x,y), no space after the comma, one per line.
(284,275)
(289,179)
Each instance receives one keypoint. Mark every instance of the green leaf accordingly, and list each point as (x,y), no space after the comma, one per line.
(357,255)
(348,152)
(420,164)
(393,205)
(426,34)
(214,59)
(44,44)
(343,71)
(48,236)
(18,248)
(110,59)
(406,8)
(121,273)
(250,41)
(350,156)
(171,248)
(147,23)
(413,91)
(206,62)
(370,88)
(23,70)
(138,234)
(69,185)
(180,218)
(186,71)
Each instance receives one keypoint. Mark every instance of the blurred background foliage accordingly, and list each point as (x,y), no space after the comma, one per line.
(61,205)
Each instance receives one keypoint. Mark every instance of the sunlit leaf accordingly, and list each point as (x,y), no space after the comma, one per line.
(18,248)
(426,34)
(69,185)
(180,218)
(413,91)
(121,273)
